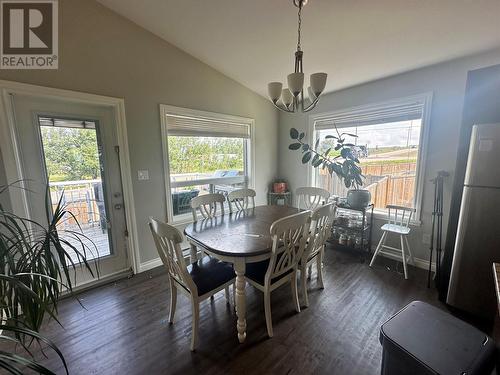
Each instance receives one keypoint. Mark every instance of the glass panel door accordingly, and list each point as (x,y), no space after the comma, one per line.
(74,161)
(71,148)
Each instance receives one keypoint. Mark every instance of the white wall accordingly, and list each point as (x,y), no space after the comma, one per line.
(103,53)
(446,81)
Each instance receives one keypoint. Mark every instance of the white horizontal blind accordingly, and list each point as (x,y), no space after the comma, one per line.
(65,123)
(205,127)
(404,111)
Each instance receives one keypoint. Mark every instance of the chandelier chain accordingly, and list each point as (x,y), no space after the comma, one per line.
(299,24)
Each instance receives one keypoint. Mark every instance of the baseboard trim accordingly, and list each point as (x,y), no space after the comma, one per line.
(150,264)
(419,262)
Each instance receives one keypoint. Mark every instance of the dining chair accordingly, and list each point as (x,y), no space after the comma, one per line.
(289,236)
(206,205)
(321,225)
(198,281)
(398,222)
(241,199)
(310,198)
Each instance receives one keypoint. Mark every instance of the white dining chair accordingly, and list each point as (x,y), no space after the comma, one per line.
(206,205)
(198,281)
(398,222)
(310,198)
(241,199)
(321,225)
(289,236)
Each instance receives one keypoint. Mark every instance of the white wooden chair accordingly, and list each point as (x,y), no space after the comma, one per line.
(198,281)
(398,223)
(289,236)
(241,199)
(206,205)
(321,225)
(310,198)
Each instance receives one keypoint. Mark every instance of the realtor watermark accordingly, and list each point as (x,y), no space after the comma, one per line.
(29,34)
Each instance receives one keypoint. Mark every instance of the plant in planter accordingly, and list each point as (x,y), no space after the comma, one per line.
(336,156)
(35,268)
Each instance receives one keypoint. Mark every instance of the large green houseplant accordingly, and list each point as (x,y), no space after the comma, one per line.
(35,268)
(338,157)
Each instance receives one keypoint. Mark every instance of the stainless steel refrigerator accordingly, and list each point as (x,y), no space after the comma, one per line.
(477,244)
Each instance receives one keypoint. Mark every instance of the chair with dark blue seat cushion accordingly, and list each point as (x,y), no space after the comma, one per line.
(321,224)
(289,236)
(209,273)
(257,272)
(199,281)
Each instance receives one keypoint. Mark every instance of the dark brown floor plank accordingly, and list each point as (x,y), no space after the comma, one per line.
(124,330)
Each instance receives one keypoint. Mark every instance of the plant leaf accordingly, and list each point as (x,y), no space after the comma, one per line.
(302,135)
(294,146)
(306,157)
(305,147)
(345,153)
(331,168)
(331,136)
(350,135)
(316,144)
(294,133)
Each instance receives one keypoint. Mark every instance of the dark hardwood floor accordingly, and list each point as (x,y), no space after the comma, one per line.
(124,330)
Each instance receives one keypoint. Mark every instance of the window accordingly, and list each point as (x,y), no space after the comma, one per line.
(389,143)
(204,153)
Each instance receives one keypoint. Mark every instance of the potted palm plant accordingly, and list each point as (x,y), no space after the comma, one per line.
(337,157)
(35,268)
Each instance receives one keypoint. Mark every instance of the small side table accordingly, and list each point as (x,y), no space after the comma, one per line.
(279,199)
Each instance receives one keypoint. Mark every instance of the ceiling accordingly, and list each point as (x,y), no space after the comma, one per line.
(354,41)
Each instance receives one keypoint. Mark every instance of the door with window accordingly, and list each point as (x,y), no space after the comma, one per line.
(69,157)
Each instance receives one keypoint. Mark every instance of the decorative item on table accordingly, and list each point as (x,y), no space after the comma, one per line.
(280,187)
(337,156)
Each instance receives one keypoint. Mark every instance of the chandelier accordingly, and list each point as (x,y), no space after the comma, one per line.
(288,99)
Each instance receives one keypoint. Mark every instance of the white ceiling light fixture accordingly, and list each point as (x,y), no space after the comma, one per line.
(288,99)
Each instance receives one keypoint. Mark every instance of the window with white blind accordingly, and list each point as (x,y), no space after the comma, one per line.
(390,143)
(203,153)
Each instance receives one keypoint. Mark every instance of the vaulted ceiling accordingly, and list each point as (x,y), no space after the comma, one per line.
(354,41)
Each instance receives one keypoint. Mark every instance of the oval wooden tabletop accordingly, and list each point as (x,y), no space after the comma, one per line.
(240,234)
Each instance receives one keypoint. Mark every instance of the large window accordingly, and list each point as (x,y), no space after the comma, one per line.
(389,146)
(204,153)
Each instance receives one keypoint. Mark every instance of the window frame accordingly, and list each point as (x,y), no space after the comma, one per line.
(425,100)
(248,153)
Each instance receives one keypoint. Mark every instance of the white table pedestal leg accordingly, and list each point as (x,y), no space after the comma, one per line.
(241,325)
(193,253)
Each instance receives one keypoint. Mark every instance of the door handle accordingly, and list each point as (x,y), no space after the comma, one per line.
(118,206)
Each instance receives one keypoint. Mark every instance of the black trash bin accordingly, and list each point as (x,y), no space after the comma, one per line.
(423,340)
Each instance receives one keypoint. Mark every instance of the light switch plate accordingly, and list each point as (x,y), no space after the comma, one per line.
(143,175)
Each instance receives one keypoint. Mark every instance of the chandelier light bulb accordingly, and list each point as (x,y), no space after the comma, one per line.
(296,83)
(312,96)
(318,83)
(274,90)
(286,97)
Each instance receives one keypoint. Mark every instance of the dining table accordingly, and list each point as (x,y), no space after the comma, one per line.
(239,238)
